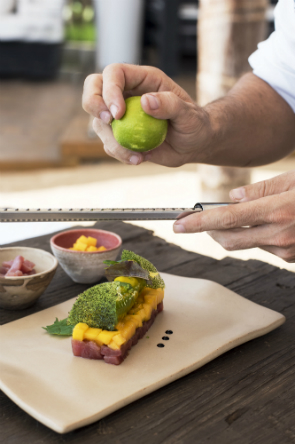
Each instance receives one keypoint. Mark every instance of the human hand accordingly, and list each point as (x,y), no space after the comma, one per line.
(264,218)
(189,124)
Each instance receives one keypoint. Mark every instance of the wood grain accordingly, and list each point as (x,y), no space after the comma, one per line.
(246,395)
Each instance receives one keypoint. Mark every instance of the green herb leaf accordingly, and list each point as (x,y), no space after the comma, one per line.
(126,268)
(107,262)
(59,328)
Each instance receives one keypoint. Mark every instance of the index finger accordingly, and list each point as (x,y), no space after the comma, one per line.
(224,218)
(138,80)
(92,100)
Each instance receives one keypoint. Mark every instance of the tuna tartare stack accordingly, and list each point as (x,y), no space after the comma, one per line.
(109,318)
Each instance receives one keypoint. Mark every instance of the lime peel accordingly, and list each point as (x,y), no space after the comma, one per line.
(137,130)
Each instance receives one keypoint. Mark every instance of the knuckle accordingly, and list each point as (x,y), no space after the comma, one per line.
(280,216)
(107,151)
(287,255)
(229,219)
(116,151)
(283,241)
(91,103)
(97,126)
(87,103)
(89,79)
(227,245)
(111,67)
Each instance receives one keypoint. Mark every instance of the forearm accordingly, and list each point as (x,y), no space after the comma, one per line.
(252,125)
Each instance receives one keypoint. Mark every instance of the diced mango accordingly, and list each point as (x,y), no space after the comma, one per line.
(120,325)
(91,248)
(91,241)
(113,345)
(148,311)
(79,331)
(119,340)
(128,331)
(133,319)
(138,318)
(142,314)
(82,239)
(92,333)
(151,300)
(80,246)
(160,295)
(106,336)
(86,244)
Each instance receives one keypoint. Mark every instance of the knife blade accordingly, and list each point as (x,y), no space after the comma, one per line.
(95,214)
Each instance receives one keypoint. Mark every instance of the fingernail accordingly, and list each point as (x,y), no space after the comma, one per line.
(178,228)
(105,116)
(114,110)
(153,102)
(237,194)
(134,160)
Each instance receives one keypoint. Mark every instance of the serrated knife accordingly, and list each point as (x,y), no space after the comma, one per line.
(95,214)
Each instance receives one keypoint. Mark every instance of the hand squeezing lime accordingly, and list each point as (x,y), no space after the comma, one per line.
(138,131)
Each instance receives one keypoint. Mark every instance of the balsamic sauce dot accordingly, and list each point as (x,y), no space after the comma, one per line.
(165,338)
(160,345)
(169,332)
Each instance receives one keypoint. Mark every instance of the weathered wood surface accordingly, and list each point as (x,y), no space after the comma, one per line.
(245,396)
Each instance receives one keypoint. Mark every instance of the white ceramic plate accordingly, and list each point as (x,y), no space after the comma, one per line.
(40,374)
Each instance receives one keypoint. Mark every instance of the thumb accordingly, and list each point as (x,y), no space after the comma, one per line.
(167,105)
(276,185)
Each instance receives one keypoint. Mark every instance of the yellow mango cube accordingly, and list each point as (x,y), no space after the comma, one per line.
(138,319)
(80,246)
(106,336)
(92,333)
(113,345)
(79,331)
(160,295)
(133,319)
(91,248)
(120,325)
(148,311)
(91,241)
(119,340)
(142,314)
(128,331)
(82,239)
(151,300)
(101,248)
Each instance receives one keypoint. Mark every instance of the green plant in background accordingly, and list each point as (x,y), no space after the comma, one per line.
(79,18)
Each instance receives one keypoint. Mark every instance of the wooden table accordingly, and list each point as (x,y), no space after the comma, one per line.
(246,395)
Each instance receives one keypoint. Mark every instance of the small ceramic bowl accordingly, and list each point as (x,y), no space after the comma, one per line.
(17,292)
(85,267)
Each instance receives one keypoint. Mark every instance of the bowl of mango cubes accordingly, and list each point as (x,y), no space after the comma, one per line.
(81,252)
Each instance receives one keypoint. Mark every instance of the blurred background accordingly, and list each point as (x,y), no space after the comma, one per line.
(49,155)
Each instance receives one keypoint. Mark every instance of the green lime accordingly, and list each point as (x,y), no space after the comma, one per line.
(138,131)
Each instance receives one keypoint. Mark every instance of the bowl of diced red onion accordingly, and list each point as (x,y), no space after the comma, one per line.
(25,273)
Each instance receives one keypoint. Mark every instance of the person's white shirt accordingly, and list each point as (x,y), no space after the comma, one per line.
(274,60)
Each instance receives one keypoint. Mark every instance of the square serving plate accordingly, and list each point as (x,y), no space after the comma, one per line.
(41,375)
